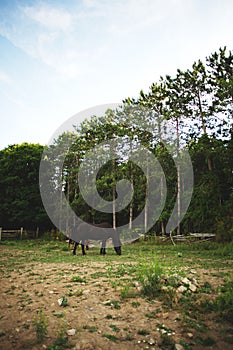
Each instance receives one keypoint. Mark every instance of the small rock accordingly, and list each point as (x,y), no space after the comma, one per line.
(193,271)
(17,330)
(181,289)
(51,292)
(195,282)
(71,331)
(185,280)
(60,301)
(179,347)
(164,288)
(190,335)
(86,291)
(192,287)
(151,341)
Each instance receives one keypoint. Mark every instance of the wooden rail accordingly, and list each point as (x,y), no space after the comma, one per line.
(20,233)
(189,238)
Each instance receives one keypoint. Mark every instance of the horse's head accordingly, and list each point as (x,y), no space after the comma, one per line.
(118,250)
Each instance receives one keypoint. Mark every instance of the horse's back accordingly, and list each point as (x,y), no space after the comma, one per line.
(103,225)
(94,231)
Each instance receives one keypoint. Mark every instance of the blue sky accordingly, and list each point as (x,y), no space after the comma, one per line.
(58,58)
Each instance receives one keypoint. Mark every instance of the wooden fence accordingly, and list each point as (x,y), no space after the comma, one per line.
(190,238)
(18,234)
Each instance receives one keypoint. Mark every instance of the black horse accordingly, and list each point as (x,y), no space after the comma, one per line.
(98,232)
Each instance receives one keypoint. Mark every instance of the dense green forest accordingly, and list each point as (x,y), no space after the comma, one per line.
(197,104)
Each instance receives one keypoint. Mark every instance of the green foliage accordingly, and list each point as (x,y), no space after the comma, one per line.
(40,322)
(20,201)
(149,276)
(62,340)
(114,303)
(114,328)
(224,302)
(143,332)
(78,279)
(166,342)
(127,292)
(110,337)
(64,301)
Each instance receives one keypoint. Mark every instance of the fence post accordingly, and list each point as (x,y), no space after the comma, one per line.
(21,233)
(0,233)
(37,232)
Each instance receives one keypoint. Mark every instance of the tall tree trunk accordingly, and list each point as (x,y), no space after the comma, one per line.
(114,194)
(68,200)
(132,188)
(204,128)
(131,203)
(178,178)
(147,193)
(163,228)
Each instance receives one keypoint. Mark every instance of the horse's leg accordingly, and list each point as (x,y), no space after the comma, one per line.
(75,247)
(103,248)
(83,248)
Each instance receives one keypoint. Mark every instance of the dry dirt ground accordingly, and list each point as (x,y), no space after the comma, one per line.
(103,317)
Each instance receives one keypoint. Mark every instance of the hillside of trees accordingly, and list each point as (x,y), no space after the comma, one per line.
(197,104)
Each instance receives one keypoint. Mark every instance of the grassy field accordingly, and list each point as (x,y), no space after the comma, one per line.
(152,297)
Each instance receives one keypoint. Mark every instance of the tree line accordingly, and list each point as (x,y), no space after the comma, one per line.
(196,104)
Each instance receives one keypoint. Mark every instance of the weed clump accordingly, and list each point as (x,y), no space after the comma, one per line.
(150,278)
(40,323)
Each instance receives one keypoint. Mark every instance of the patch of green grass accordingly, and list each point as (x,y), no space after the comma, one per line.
(78,279)
(110,337)
(208,341)
(135,304)
(108,317)
(143,332)
(149,275)
(64,301)
(114,328)
(166,342)
(127,292)
(129,336)
(224,301)
(152,315)
(114,303)
(91,329)
(60,315)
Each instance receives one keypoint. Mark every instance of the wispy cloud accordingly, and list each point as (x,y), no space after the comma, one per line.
(49,17)
(73,38)
(5,78)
